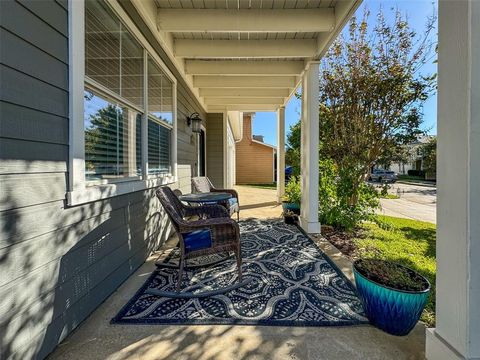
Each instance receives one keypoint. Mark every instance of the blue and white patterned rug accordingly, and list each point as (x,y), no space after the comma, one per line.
(289,282)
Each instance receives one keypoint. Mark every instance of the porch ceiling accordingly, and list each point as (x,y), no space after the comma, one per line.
(246,55)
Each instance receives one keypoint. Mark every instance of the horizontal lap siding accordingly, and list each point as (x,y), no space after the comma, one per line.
(254,163)
(214,140)
(57,264)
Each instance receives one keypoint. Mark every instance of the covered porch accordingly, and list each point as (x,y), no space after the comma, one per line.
(97,338)
(75,237)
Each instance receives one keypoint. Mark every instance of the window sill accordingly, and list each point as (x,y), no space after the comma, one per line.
(105,191)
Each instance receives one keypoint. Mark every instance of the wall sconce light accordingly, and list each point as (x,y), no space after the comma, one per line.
(195,122)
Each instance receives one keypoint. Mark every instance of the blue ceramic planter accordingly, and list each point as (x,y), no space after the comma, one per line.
(295,208)
(394,311)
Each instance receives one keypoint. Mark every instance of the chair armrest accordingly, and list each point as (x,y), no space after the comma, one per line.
(208,211)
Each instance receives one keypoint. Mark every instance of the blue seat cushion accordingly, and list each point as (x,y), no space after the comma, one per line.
(197,240)
(232,201)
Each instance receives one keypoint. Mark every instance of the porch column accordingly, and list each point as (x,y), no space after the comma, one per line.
(280,153)
(309,149)
(457,332)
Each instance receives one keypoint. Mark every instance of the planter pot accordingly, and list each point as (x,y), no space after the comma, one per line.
(289,219)
(295,208)
(394,311)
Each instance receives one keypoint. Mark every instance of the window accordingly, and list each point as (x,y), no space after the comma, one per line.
(125,139)
(114,65)
(112,139)
(160,117)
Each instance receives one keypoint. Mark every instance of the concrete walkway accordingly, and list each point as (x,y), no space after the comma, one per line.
(258,203)
(416,202)
(97,339)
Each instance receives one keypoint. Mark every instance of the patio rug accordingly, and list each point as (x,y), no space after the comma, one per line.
(289,281)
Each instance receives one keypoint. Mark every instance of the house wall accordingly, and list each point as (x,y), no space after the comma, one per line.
(215,149)
(58,263)
(254,162)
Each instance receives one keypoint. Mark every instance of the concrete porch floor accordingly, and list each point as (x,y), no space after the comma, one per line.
(258,203)
(97,339)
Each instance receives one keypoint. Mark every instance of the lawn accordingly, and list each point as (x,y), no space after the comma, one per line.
(408,242)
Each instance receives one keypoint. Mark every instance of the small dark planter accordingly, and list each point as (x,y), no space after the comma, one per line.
(290,219)
(288,206)
(392,310)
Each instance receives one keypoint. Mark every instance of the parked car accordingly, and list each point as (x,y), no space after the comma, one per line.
(288,173)
(383,176)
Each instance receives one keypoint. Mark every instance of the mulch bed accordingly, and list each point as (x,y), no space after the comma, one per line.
(342,240)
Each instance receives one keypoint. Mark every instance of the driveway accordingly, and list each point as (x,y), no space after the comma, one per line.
(416,202)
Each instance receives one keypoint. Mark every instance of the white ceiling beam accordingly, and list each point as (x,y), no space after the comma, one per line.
(210,49)
(244,108)
(222,92)
(244,81)
(242,101)
(246,20)
(244,67)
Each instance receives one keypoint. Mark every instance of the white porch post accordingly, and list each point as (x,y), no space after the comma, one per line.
(280,153)
(309,149)
(457,332)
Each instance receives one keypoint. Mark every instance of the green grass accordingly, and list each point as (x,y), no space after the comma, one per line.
(389,196)
(263,186)
(417,179)
(408,242)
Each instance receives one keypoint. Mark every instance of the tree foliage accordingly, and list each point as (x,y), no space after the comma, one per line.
(292,155)
(371,94)
(429,152)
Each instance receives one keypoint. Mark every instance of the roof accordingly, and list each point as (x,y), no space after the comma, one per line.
(265,144)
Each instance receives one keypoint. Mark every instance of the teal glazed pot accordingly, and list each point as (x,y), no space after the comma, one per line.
(394,311)
(295,208)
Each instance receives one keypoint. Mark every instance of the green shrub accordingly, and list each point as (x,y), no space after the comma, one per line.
(335,196)
(419,173)
(293,193)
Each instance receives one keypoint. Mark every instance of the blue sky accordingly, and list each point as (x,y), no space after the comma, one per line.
(417,11)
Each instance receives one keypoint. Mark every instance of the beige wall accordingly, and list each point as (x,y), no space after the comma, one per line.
(215,149)
(254,161)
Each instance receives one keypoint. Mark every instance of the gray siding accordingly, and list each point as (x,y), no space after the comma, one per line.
(58,263)
(215,139)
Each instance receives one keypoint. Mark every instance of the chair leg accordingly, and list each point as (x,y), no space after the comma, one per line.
(238,255)
(180,273)
(238,215)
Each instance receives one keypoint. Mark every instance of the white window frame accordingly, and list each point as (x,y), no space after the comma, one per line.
(80,190)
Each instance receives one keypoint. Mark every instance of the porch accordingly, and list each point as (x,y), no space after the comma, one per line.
(96,338)
(71,235)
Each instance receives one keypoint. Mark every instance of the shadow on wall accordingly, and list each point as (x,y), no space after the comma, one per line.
(57,264)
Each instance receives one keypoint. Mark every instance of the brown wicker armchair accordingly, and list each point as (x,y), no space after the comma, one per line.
(202,184)
(222,232)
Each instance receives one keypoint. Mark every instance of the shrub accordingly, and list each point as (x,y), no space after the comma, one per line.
(293,193)
(335,192)
(420,173)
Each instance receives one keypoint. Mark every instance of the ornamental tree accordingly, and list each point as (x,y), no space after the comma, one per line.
(371,94)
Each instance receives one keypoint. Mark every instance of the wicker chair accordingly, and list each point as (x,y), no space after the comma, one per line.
(202,184)
(223,233)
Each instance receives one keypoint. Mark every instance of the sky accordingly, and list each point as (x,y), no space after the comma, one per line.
(417,11)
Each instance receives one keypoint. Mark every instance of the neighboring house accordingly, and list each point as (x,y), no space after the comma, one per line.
(414,150)
(255,160)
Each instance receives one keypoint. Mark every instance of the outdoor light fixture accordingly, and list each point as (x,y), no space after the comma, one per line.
(195,122)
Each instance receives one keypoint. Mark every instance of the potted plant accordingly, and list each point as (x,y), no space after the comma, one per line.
(293,196)
(393,295)
(289,217)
